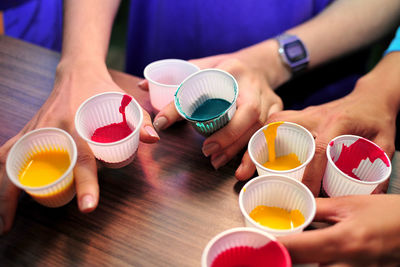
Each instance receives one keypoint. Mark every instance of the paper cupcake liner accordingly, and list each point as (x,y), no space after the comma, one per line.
(237,238)
(277,191)
(101,110)
(164,77)
(61,191)
(290,138)
(201,86)
(371,174)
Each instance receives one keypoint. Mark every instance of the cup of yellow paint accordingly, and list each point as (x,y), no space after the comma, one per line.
(244,246)
(282,148)
(102,110)
(356,166)
(164,77)
(207,99)
(277,204)
(41,163)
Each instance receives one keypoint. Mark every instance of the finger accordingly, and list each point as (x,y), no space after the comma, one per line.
(144,85)
(241,123)
(328,209)
(166,117)
(246,168)
(222,157)
(147,132)
(275,108)
(86,183)
(320,246)
(8,203)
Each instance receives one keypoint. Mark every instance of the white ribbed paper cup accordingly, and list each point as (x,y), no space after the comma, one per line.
(101,110)
(242,237)
(290,138)
(164,77)
(371,174)
(277,191)
(204,85)
(57,193)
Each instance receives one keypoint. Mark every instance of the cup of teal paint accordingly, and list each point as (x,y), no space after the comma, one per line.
(207,99)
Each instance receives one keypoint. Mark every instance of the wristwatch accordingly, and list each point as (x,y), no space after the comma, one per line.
(293,52)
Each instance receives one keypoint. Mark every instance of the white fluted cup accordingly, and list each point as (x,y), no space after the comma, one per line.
(202,86)
(277,191)
(102,110)
(242,237)
(290,138)
(373,166)
(62,190)
(164,77)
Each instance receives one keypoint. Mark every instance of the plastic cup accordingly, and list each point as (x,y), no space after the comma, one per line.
(101,110)
(235,240)
(57,193)
(164,77)
(277,191)
(290,138)
(371,172)
(208,84)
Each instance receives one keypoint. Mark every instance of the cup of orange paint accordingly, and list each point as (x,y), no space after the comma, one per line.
(164,77)
(110,123)
(243,246)
(282,148)
(356,166)
(41,163)
(277,204)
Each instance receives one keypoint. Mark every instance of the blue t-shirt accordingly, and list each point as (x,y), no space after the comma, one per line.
(35,21)
(395,44)
(188,29)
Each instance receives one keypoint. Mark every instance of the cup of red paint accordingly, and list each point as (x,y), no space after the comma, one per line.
(245,247)
(164,77)
(207,99)
(356,166)
(110,123)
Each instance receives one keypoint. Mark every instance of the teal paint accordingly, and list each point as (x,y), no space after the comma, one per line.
(211,108)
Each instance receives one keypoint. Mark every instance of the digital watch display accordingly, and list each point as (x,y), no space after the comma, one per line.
(293,52)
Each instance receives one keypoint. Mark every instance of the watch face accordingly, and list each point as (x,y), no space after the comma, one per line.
(295,51)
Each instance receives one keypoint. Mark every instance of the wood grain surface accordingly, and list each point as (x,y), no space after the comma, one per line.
(161,210)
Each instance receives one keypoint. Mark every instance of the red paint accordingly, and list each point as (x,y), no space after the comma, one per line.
(115,131)
(269,255)
(351,156)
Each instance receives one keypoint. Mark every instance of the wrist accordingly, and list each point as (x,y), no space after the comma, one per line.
(265,57)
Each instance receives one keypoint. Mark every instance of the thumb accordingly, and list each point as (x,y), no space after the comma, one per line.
(166,117)
(85,172)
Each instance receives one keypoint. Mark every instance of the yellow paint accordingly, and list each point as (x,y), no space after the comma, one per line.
(281,163)
(270,135)
(44,167)
(277,218)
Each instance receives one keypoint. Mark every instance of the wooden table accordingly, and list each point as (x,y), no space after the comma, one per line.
(159,211)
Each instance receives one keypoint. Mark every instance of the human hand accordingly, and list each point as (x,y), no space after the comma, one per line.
(255,102)
(365,232)
(359,113)
(74,83)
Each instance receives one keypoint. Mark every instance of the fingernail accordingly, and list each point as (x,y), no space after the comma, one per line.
(219,161)
(141,83)
(160,123)
(150,130)
(239,169)
(87,203)
(210,148)
(1,226)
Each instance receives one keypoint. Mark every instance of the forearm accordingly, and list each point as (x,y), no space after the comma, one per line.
(341,28)
(383,82)
(87,29)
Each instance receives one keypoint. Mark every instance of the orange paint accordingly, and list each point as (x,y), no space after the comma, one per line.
(44,168)
(277,218)
(281,163)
